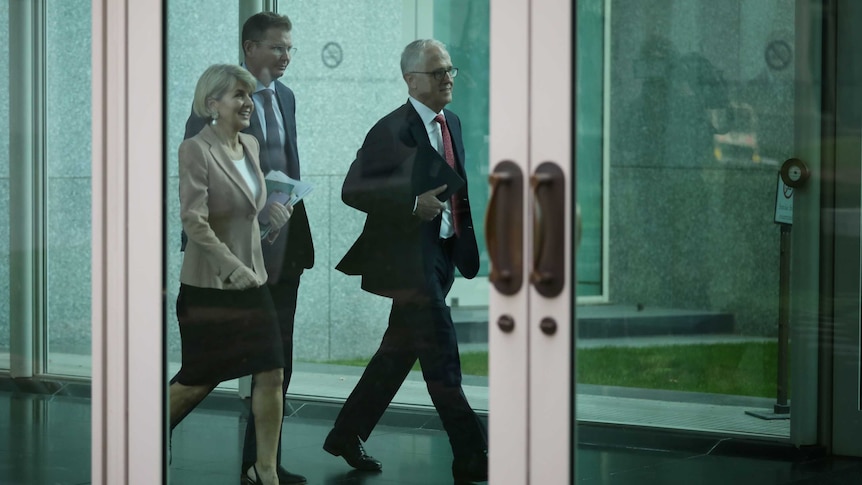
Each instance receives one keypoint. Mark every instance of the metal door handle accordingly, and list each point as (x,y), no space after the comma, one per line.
(504,228)
(548,274)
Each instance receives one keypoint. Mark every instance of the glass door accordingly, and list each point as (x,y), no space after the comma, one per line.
(700,295)
(693,280)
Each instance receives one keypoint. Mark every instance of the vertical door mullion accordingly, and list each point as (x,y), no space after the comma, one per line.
(845,421)
(508,126)
(145,260)
(551,137)
(22,193)
(805,276)
(128,391)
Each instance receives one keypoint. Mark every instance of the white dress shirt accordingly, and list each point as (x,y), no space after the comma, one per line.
(257,98)
(435,136)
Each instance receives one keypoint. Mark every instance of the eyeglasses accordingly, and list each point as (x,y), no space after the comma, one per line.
(439,74)
(278,49)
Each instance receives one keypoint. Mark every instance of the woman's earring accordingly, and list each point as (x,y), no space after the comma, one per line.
(214,118)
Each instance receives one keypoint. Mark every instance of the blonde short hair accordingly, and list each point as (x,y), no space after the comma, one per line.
(216,81)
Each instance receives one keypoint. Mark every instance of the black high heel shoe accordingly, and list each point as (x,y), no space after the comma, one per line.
(247,480)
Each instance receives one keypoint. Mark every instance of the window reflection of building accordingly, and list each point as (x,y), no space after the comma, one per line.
(770,94)
(688,211)
(683,102)
(667,138)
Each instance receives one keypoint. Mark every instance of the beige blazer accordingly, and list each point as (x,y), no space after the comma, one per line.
(218,212)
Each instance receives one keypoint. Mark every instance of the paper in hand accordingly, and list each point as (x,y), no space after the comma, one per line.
(277,181)
(284,190)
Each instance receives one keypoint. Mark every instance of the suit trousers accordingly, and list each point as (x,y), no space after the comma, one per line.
(284,295)
(419,328)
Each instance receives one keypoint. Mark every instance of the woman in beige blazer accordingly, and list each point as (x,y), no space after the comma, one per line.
(227,320)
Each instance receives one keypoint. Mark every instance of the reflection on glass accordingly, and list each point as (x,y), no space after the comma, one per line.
(696,120)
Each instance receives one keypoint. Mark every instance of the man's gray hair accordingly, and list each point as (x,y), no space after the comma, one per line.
(414,52)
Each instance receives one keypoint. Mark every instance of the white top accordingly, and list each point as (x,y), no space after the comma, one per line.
(249,175)
(435,136)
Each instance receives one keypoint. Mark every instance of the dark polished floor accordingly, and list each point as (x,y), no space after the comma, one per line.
(47,441)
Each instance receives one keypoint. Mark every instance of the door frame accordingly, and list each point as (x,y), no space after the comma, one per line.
(531,122)
(842,427)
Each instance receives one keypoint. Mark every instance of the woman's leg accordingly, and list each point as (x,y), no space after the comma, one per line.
(184,398)
(266,404)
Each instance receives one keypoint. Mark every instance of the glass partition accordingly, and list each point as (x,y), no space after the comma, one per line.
(336,322)
(67,186)
(45,240)
(45,221)
(344,75)
(696,116)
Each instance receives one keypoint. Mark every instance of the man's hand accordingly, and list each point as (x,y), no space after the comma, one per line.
(428,206)
(279,215)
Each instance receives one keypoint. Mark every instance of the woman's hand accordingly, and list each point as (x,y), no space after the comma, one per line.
(279,214)
(243,278)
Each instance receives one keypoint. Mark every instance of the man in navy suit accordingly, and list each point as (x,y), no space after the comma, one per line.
(409,180)
(267,48)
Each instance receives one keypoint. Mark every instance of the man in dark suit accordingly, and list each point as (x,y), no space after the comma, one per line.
(409,179)
(267,47)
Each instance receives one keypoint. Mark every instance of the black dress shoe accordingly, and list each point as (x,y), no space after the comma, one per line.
(471,469)
(284,476)
(350,448)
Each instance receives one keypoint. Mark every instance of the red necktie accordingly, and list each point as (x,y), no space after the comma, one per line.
(449,153)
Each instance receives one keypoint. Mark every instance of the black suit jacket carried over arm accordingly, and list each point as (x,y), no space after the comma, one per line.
(294,247)
(395,164)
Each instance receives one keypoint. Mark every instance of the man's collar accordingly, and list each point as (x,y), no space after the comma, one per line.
(259,86)
(425,113)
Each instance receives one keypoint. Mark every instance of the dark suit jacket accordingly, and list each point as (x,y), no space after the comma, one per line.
(394,165)
(293,250)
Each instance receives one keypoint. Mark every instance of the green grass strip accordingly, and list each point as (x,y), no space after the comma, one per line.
(741,369)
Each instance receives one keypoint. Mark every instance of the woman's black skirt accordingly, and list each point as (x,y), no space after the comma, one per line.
(226,334)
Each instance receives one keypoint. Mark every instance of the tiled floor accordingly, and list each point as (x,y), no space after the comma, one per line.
(46,440)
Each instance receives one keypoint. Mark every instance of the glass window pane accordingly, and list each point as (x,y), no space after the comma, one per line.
(344,75)
(68,185)
(695,120)
(45,240)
